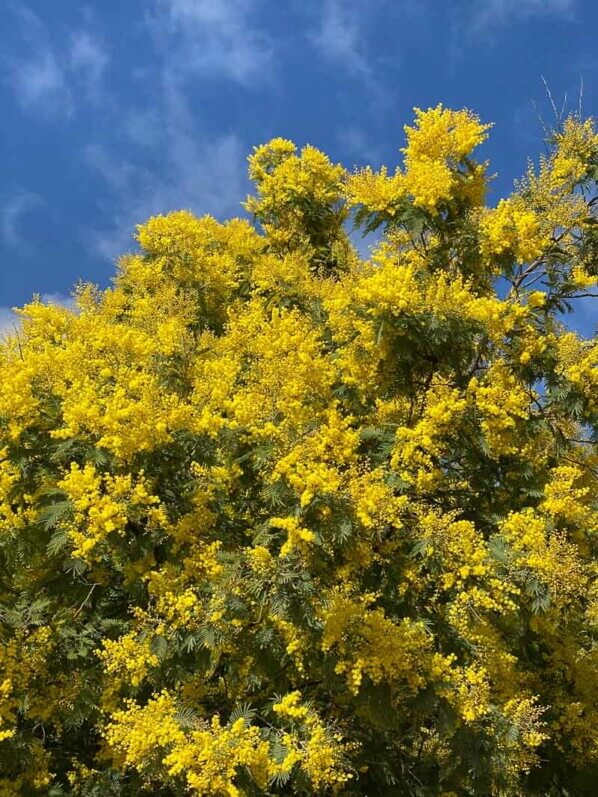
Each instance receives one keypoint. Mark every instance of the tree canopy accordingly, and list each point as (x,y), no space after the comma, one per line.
(276,518)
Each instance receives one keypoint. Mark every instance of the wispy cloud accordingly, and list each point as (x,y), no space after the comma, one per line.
(88,60)
(488,14)
(343,35)
(37,76)
(221,39)
(12,212)
(9,322)
(485,22)
(40,85)
(358,145)
(158,156)
(194,172)
(58,298)
(339,37)
(45,76)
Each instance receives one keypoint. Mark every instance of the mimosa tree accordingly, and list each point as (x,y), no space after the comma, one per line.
(275,519)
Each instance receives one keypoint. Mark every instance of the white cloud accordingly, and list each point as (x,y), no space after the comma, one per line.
(141,126)
(117,173)
(40,85)
(491,13)
(8,321)
(344,34)
(37,77)
(172,163)
(47,79)
(193,172)
(356,143)
(339,37)
(209,37)
(483,22)
(12,212)
(58,298)
(88,59)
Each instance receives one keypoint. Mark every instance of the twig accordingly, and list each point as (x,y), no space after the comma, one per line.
(88,596)
(552,103)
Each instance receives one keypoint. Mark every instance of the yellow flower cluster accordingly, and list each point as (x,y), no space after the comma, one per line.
(18,402)
(294,640)
(418,448)
(374,501)
(129,657)
(441,133)
(389,294)
(526,716)
(436,146)
(103,504)
(471,693)
(321,755)
(176,604)
(16,508)
(208,757)
(282,176)
(463,552)
(512,228)
(428,181)
(298,196)
(201,252)
(568,498)
(576,145)
(23,662)
(297,536)
(367,643)
(550,556)
(376,190)
(257,375)
(579,365)
(312,466)
(458,561)
(502,404)
(289,706)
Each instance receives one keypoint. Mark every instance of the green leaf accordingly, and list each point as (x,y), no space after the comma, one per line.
(53,514)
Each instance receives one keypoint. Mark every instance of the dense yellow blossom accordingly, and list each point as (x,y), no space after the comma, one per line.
(128,655)
(548,555)
(370,644)
(437,145)
(103,505)
(376,190)
(428,181)
(279,519)
(511,227)
(576,144)
(442,133)
(502,404)
(418,448)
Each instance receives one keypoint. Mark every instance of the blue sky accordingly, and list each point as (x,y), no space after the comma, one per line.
(113,111)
